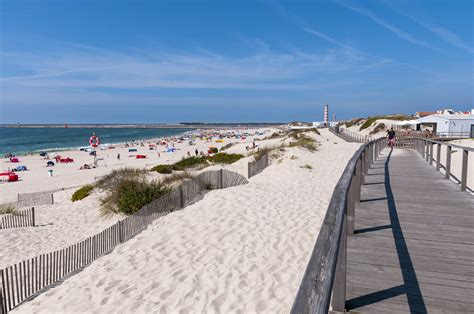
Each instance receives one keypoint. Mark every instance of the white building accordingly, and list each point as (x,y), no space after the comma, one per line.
(449,125)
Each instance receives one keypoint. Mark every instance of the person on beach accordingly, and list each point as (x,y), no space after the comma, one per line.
(159,155)
(391,138)
(189,153)
(196,152)
(118,156)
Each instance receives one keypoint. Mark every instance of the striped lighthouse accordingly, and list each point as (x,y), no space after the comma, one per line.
(326,115)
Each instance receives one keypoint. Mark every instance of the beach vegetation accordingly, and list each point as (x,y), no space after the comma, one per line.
(225,158)
(227,146)
(131,194)
(371,120)
(176,178)
(164,169)
(189,162)
(82,193)
(110,181)
(304,141)
(353,122)
(8,209)
(307,166)
(378,128)
(293,157)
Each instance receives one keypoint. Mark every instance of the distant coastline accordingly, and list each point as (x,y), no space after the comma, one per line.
(183,125)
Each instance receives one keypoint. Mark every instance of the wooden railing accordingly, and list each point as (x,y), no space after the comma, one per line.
(30,277)
(426,148)
(256,167)
(349,136)
(325,276)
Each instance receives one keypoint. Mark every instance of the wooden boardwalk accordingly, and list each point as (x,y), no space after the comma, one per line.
(413,250)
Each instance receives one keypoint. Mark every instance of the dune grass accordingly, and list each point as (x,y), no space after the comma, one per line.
(6,209)
(82,193)
(224,158)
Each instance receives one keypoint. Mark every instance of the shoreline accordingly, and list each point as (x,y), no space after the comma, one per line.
(141,125)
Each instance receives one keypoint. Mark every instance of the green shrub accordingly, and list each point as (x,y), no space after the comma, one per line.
(111,180)
(307,166)
(131,194)
(82,193)
(213,150)
(226,158)
(189,162)
(368,123)
(165,169)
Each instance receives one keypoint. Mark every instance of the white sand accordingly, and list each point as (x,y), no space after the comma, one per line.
(239,250)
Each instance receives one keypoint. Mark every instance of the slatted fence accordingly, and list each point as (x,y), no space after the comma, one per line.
(257,166)
(28,278)
(20,219)
(35,200)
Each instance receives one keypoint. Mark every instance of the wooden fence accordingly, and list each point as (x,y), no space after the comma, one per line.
(24,218)
(42,199)
(28,278)
(349,136)
(257,166)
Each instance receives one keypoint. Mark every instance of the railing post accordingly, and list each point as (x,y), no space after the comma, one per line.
(339,287)
(427,151)
(465,153)
(350,207)
(448,162)
(438,157)
(431,153)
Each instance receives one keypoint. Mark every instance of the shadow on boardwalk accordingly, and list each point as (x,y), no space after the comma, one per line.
(413,249)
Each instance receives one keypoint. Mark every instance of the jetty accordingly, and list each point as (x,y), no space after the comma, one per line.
(398,236)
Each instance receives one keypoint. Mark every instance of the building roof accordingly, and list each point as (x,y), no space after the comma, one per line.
(422,114)
(437,117)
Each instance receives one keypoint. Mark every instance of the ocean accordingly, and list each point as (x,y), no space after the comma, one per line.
(22,140)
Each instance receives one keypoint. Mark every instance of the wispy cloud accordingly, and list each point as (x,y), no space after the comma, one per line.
(385,24)
(96,68)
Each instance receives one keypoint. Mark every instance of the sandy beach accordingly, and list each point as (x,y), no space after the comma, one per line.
(242,249)
(66,222)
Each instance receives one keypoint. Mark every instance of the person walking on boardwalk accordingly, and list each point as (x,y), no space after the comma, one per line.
(391,138)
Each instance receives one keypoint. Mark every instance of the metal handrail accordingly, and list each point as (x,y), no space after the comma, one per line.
(325,276)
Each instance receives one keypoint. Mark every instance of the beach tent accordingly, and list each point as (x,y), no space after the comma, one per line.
(170,149)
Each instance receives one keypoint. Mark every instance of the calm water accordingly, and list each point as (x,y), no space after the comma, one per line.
(19,141)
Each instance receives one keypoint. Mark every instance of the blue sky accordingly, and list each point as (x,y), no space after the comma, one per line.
(169,61)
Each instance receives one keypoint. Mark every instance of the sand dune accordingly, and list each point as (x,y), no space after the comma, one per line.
(239,250)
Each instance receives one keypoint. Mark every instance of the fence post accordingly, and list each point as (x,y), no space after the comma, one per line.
(464,170)
(448,162)
(248,167)
(33,215)
(339,287)
(52,198)
(438,157)
(181,196)
(351,205)
(221,175)
(121,231)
